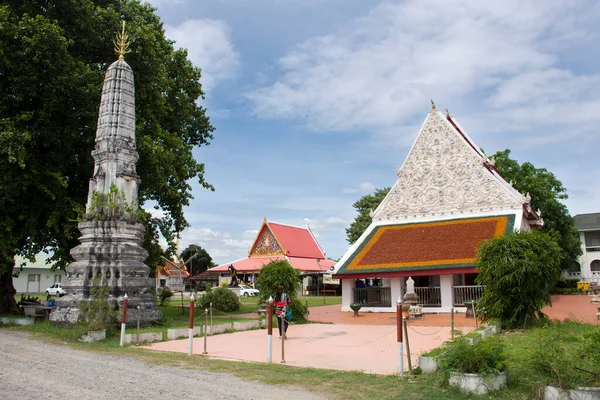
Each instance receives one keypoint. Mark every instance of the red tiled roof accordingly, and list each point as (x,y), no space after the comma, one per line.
(296,241)
(432,245)
(255,264)
(174,268)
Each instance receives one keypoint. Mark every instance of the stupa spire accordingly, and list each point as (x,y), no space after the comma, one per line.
(122,43)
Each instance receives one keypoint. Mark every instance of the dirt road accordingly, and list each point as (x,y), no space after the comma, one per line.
(30,369)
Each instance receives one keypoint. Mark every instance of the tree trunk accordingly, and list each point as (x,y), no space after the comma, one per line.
(7,290)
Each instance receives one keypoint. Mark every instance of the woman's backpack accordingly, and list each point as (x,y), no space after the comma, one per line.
(288,309)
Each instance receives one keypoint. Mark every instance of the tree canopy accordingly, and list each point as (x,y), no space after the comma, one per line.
(363,206)
(546,193)
(198,264)
(517,271)
(54,55)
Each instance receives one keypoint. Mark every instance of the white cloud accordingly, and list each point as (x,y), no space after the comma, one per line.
(363,187)
(381,70)
(209,47)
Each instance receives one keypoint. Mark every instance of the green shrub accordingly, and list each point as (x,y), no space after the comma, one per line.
(98,313)
(484,357)
(164,294)
(434,352)
(222,299)
(281,273)
(517,271)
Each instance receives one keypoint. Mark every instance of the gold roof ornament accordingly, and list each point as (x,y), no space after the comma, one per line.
(122,42)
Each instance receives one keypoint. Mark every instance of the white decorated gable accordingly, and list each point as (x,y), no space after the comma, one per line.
(445,173)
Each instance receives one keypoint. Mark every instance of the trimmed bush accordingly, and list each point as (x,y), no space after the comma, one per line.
(222,299)
(483,357)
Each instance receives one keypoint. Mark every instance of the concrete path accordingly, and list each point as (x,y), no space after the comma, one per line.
(366,343)
(367,348)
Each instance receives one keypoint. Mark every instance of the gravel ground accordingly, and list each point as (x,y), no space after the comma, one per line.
(31,369)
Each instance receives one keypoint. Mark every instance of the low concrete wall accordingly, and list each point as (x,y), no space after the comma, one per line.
(144,337)
(221,328)
(243,326)
(183,332)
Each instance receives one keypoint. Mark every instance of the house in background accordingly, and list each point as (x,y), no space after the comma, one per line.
(588,269)
(172,275)
(35,277)
(294,244)
(447,200)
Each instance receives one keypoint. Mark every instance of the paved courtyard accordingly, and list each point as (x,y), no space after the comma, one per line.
(366,343)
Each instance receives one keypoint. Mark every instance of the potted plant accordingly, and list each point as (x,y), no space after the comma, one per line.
(98,313)
(478,368)
(355,307)
(429,361)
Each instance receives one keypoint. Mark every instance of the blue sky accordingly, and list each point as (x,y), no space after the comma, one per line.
(315,102)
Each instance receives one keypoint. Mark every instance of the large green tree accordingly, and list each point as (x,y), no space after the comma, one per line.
(200,263)
(53,57)
(363,206)
(547,194)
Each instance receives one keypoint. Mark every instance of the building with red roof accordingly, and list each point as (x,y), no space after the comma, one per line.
(172,275)
(276,241)
(447,200)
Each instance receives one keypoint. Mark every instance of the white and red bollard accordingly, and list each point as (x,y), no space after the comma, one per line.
(124,320)
(191,331)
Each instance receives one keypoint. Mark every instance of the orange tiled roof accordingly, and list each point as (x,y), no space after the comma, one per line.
(430,245)
(175,269)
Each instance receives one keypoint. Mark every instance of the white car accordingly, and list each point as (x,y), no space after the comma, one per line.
(248,291)
(56,290)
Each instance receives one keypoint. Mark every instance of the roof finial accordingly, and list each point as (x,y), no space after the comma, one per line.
(432,105)
(121,42)
(447,113)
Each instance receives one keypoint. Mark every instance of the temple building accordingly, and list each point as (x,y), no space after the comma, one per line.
(274,242)
(447,200)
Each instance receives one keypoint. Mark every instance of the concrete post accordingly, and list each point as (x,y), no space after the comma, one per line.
(124,320)
(447,292)
(399,337)
(191,331)
(205,325)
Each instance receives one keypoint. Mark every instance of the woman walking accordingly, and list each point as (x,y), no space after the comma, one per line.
(282,301)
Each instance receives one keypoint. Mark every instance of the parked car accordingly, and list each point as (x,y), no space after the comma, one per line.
(248,291)
(56,290)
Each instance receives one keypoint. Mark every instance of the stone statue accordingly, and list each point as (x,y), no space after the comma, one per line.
(410,296)
(233,274)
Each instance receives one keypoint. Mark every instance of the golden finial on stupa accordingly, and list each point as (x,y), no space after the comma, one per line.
(121,42)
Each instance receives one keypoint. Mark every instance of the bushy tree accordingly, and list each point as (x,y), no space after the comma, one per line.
(222,299)
(198,264)
(364,206)
(281,273)
(518,271)
(547,194)
(54,57)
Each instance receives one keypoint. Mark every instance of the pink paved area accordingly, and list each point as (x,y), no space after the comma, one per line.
(367,348)
(366,343)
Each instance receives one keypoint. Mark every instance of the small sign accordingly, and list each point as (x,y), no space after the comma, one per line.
(327,279)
